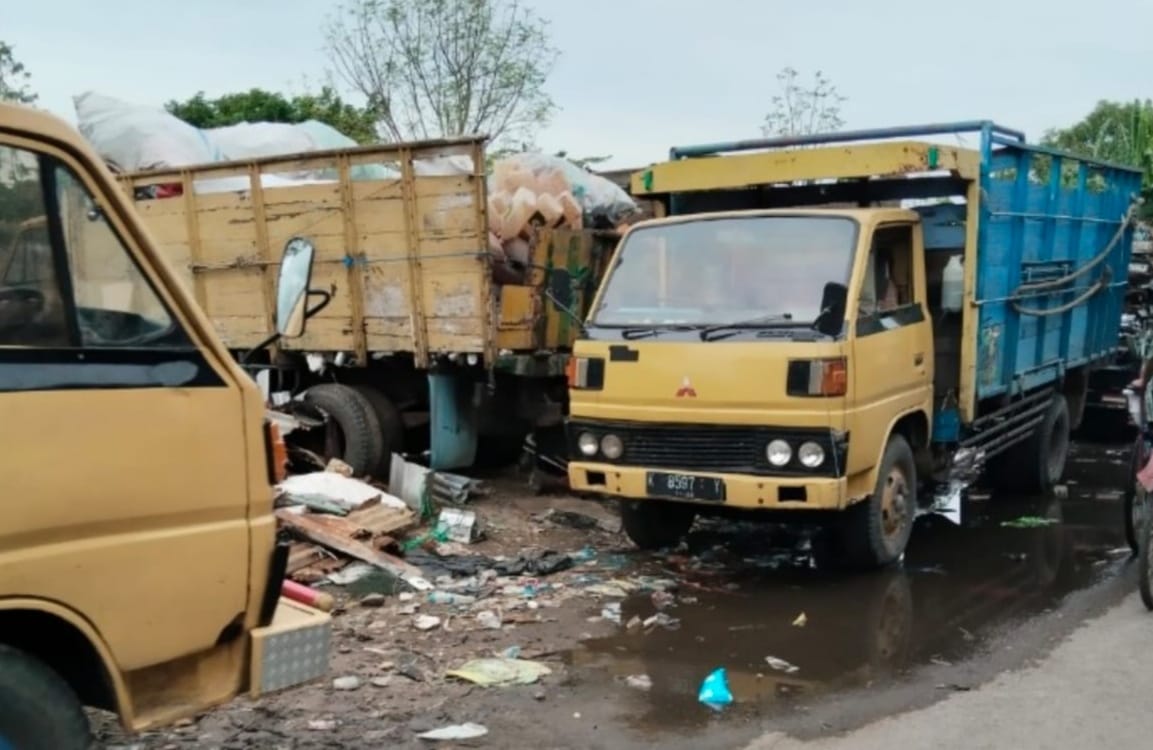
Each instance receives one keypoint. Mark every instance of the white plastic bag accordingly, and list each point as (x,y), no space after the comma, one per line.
(133,138)
(252,140)
(325,137)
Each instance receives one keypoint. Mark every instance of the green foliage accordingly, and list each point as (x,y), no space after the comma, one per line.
(258,105)
(14,78)
(442,68)
(1117,132)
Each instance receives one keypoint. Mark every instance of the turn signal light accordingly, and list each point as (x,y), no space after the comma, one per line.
(818,377)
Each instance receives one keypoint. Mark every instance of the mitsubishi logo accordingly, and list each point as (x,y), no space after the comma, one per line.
(686,390)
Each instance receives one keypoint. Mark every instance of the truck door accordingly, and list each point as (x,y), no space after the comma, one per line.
(124,456)
(892,346)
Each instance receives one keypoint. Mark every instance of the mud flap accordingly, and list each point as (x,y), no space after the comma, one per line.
(452,422)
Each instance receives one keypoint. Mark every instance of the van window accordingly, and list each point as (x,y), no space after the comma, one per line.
(68,281)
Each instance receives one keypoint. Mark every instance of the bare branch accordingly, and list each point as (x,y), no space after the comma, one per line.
(445,67)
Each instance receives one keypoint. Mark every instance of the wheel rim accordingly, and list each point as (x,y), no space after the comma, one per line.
(894,505)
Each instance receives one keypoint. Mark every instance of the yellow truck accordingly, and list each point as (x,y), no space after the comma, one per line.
(756,351)
(124,585)
(420,347)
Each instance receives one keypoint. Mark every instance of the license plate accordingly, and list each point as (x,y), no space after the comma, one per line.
(685,486)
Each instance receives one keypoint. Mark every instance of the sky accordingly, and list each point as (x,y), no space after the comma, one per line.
(636,77)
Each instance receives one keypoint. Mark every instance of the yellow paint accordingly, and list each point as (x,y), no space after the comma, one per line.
(744,383)
(763,168)
(104,532)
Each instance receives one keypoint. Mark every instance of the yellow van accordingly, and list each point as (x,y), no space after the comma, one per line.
(139,567)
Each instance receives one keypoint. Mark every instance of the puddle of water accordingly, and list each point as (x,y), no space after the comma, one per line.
(958,586)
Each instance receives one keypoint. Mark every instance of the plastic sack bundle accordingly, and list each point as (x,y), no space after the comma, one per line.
(325,137)
(133,138)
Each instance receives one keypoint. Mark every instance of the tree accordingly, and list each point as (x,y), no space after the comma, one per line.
(442,68)
(14,78)
(258,105)
(1118,132)
(801,110)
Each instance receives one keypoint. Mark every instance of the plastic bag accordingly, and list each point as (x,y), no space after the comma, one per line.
(325,137)
(252,140)
(133,138)
(714,691)
(599,199)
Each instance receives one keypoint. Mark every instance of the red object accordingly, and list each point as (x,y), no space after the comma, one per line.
(305,595)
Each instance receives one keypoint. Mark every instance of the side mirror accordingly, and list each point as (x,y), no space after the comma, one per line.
(292,287)
(834,301)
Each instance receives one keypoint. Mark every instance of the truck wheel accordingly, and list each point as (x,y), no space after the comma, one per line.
(360,441)
(652,524)
(1035,466)
(38,710)
(875,531)
(391,426)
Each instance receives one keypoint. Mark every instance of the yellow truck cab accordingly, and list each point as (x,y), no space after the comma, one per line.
(139,567)
(789,343)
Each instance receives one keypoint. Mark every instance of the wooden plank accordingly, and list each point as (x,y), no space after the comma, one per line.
(339,534)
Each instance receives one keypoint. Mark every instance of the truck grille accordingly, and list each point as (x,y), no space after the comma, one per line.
(713,448)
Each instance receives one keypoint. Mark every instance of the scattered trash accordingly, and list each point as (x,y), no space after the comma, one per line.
(489,620)
(660,619)
(512,652)
(350,573)
(496,672)
(781,665)
(426,622)
(536,564)
(336,489)
(613,589)
(322,725)
(801,621)
(714,691)
(346,683)
(584,554)
(459,525)
(337,466)
(1028,522)
(612,612)
(380,682)
(663,599)
(947,502)
(418,486)
(634,623)
(467,731)
(639,681)
(306,595)
(1061,492)
(372,600)
(448,597)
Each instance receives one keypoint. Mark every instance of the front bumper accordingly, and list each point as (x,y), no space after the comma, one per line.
(741,490)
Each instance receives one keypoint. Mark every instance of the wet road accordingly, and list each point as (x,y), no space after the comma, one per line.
(961,592)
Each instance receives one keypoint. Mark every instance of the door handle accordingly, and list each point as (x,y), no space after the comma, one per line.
(918,359)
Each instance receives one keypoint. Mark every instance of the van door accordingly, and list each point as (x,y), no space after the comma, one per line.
(123,465)
(892,341)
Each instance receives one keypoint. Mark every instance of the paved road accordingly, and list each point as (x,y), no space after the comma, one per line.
(1095,690)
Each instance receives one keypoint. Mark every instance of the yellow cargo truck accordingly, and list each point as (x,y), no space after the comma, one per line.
(139,567)
(420,348)
(757,351)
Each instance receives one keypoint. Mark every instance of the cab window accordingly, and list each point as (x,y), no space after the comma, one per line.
(887,299)
(68,280)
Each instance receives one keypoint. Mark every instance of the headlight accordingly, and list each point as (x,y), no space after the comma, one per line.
(778,452)
(612,447)
(811,455)
(587,442)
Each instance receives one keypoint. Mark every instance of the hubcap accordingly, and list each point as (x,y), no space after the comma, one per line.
(894,504)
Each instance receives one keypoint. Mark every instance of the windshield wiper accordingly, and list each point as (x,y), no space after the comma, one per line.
(725,330)
(643,332)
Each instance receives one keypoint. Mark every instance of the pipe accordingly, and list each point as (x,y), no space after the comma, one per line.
(906,131)
(307,595)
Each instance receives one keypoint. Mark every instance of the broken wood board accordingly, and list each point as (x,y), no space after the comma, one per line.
(378,519)
(303,554)
(350,537)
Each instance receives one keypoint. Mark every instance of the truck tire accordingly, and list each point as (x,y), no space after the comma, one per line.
(875,532)
(362,441)
(654,524)
(391,426)
(1035,466)
(38,710)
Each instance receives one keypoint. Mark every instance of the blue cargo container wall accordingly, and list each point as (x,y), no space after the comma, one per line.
(1052,263)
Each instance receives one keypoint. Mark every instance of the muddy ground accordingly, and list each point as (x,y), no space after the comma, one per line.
(968,603)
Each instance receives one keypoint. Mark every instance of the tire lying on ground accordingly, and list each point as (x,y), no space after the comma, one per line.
(361,438)
(38,710)
(391,426)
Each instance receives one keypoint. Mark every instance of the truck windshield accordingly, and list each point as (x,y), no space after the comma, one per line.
(725,270)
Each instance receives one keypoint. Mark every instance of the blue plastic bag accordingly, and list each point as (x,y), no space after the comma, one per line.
(715,691)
